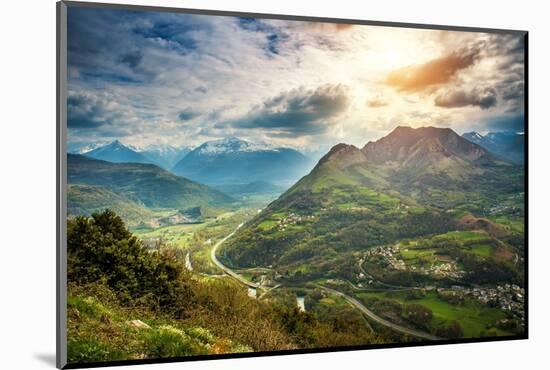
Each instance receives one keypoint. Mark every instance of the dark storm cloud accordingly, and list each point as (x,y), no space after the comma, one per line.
(136,47)
(275,39)
(96,53)
(176,35)
(510,68)
(434,72)
(514,91)
(296,112)
(86,111)
(201,89)
(132,59)
(187,114)
(484,98)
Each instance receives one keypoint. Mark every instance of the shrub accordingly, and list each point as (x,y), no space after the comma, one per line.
(168,341)
(453,330)
(100,248)
(90,350)
(418,315)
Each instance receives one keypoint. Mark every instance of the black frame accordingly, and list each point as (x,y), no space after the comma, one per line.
(61,115)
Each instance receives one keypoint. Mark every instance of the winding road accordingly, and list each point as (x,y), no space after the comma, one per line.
(351,300)
(378,319)
(226,269)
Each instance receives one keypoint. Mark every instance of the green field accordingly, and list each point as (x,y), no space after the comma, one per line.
(477,320)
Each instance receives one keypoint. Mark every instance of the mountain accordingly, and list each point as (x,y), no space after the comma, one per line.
(165,156)
(82,147)
(423,146)
(506,145)
(117,152)
(410,184)
(87,199)
(144,184)
(236,161)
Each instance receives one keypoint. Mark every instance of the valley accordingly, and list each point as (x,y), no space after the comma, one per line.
(417,244)
(257,186)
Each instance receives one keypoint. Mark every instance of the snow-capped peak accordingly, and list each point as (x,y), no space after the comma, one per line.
(233,144)
(87,148)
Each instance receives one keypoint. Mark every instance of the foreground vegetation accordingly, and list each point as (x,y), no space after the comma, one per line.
(130,302)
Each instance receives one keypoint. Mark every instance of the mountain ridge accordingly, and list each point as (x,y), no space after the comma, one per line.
(117,152)
(415,185)
(233,161)
(141,182)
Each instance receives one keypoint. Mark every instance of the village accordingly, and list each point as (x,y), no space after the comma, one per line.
(293,219)
(391,255)
(508,297)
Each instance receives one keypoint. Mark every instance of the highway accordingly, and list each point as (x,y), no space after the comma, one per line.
(351,300)
(378,319)
(226,269)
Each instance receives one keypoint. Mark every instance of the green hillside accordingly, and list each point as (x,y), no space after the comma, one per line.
(393,190)
(87,199)
(144,184)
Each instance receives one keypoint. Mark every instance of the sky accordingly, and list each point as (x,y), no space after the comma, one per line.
(152,78)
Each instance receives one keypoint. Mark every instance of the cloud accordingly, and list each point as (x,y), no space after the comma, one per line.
(87,111)
(377,102)
(296,112)
(132,59)
(515,91)
(187,114)
(177,36)
(144,76)
(434,72)
(484,98)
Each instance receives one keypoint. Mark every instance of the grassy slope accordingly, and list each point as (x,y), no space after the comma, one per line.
(144,183)
(86,199)
(101,331)
(343,212)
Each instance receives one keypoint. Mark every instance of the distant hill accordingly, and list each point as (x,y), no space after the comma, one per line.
(87,199)
(145,184)
(117,152)
(232,160)
(506,145)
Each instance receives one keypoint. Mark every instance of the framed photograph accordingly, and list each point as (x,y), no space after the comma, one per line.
(238,185)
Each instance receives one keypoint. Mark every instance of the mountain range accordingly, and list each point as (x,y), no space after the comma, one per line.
(236,161)
(410,183)
(506,145)
(117,152)
(230,161)
(164,156)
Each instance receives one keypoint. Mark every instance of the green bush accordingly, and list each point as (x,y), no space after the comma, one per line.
(417,314)
(84,350)
(168,341)
(452,330)
(101,248)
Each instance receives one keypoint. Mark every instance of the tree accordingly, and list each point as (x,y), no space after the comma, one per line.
(453,330)
(101,248)
(419,315)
